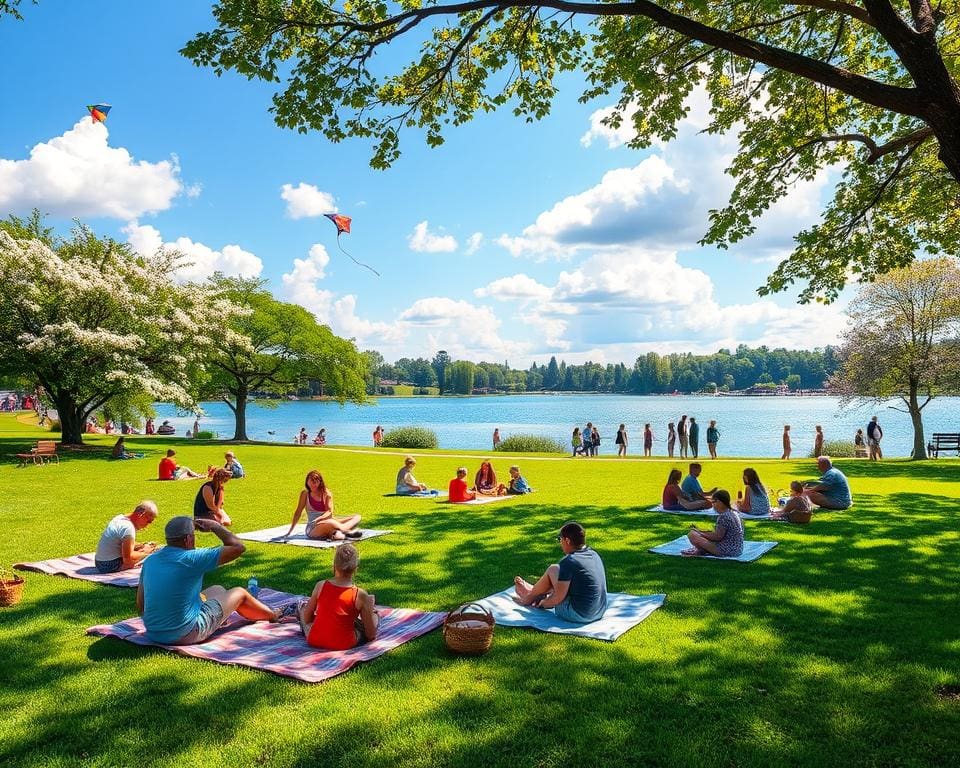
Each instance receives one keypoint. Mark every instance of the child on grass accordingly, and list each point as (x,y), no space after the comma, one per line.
(339,615)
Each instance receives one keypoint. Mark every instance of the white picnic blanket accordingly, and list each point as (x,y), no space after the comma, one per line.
(299,537)
(708,512)
(623,613)
(752,550)
(484,500)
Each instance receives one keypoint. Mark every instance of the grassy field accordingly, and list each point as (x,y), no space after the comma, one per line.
(840,647)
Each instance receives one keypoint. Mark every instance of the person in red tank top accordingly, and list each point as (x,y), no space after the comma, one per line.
(339,615)
(458,492)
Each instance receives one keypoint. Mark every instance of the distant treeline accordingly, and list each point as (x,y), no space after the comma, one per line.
(650,374)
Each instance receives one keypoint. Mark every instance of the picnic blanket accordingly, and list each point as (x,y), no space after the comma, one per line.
(752,550)
(707,512)
(418,495)
(485,499)
(623,613)
(82,567)
(281,648)
(299,537)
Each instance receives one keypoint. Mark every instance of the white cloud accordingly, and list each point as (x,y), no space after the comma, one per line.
(79,175)
(465,330)
(200,261)
(194,190)
(423,240)
(473,243)
(306,200)
(519,286)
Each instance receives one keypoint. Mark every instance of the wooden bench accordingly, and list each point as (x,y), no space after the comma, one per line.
(41,453)
(944,441)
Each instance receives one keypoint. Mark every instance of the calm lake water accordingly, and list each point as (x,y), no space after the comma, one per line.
(749,426)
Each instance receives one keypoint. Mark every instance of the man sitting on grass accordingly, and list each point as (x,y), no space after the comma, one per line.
(831,491)
(576,587)
(118,549)
(691,485)
(174,610)
(170,471)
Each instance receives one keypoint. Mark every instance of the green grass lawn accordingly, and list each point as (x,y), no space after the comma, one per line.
(840,647)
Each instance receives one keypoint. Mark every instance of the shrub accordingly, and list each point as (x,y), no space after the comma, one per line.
(410,437)
(422,391)
(838,449)
(531,444)
(205,434)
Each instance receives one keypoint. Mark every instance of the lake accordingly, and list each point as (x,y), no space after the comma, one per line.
(749,426)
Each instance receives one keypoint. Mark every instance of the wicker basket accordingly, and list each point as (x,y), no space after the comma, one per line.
(468,630)
(801,516)
(11,590)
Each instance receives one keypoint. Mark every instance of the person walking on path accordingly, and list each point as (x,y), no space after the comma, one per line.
(694,437)
(647,440)
(496,438)
(671,439)
(874,435)
(588,439)
(576,442)
(622,440)
(818,443)
(787,446)
(682,435)
(713,437)
(595,442)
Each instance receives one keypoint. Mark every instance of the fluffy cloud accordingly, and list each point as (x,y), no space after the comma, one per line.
(200,261)
(473,243)
(423,240)
(306,200)
(517,287)
(79,175)
(465,330)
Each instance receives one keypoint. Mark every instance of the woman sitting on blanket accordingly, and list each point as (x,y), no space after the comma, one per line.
(406,483)
(798,502)
(726,538)
(458,492)
(754,499)
(485,481)
(339,615)
(675,499)
(317,500)
(208,505)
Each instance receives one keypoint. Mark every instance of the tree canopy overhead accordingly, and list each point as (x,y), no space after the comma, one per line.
(869,87)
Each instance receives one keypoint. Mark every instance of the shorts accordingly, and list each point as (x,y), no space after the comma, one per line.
(566,612)
(109,566)
(209,621)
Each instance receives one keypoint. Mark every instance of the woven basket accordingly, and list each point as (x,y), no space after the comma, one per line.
(468,630)
(11,590)
(801,516)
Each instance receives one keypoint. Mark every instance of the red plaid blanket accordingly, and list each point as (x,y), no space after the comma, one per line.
(82,567)
(281,648)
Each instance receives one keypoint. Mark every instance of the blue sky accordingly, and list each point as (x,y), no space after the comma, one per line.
(511,241)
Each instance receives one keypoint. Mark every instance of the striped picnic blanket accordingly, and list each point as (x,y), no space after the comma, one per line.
(281,648)
(82,567)
(299,537)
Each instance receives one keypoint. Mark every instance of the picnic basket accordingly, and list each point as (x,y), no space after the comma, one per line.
(468,630)
(11,588)
(801,516)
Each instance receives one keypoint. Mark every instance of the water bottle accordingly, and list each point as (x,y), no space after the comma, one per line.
(253,586)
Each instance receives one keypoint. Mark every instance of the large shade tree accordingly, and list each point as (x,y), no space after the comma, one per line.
(273,347)
(870,87)
(904,340)
(94,323)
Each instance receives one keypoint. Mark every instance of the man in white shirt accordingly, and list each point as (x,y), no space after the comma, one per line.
(118,549)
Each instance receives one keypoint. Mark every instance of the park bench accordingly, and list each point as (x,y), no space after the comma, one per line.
(41,453)
(944,441)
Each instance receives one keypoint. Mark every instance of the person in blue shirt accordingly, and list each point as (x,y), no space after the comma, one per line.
(576,587)
(831,491)
(691,484)
(518,485)
(169,598)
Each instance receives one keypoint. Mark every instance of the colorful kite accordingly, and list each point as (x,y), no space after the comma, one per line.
(343,225)
(98,112)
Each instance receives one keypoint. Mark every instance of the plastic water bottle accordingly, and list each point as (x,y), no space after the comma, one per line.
(253,586)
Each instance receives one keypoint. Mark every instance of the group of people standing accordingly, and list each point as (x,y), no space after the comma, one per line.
(683,439)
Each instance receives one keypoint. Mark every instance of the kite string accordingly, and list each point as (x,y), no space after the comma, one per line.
(360,263)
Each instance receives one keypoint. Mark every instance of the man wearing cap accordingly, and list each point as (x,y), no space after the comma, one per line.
(576,587)
(169,598)
(118,549)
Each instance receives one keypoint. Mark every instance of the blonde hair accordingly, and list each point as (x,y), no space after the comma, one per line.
(461,471)
(409,460)
(346,559)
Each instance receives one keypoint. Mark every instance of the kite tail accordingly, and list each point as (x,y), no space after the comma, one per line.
(360,263)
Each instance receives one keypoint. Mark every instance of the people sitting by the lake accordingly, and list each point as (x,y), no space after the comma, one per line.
(339,615)
(754,498)
(693,437)
(713,437)
(93,428)
(576,442)
(671,439)
(818,442)
(457,490)
(208,504)
(148,428)
(647,440)
(587,436)
(117,549)
(234,467)
(831,490)
(317,500)
(517,485)
(301,438)
(797,502)
(120,451)
(691,484)
(787,446)
(859,445)
(622,440)
(485,481)
(170,470)
(407,484)
(176,610)
(166,428)
(321,438)
(682,436)
(595,442)
(108,428)
(726,538)
(675,499)
(496,438)
(576,587)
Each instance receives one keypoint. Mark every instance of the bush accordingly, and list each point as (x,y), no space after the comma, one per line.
(838,449)
(410,437)
(531,444)
(205,434)
(422,391)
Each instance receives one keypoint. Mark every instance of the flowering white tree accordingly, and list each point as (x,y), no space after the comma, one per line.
(92,322)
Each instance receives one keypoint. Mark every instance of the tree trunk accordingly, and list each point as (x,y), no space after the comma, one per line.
(916,416)
(240,414)
(71,421)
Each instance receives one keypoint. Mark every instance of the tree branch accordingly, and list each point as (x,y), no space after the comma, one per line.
(876,151)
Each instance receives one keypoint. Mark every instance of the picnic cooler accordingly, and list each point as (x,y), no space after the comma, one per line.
(468,630)
(11,590)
